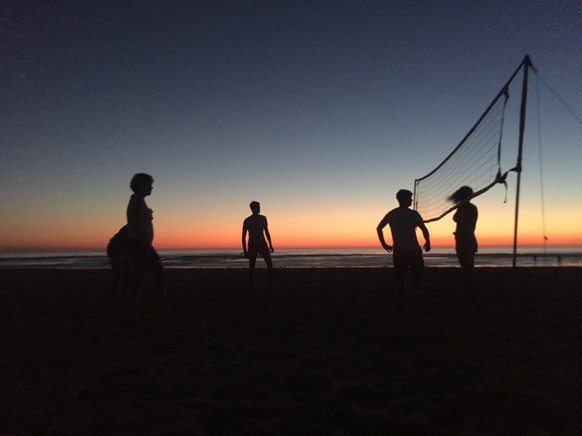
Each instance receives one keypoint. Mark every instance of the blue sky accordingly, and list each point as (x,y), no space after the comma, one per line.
(320,110)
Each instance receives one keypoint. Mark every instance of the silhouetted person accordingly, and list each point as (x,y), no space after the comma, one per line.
(403,222)
(257,228)
(116,252)
(141,254)
(465,240)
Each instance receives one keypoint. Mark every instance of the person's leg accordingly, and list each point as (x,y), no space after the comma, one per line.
(133,296)
(416,270)
(124,277)
(467,263)
(403,261)
(136,260)
(156,270)
(116,256)
(252,262)
(400,270)
(266,253)
(116,271)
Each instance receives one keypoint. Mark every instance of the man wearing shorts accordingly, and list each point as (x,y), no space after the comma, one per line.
(403,222)
(257,228)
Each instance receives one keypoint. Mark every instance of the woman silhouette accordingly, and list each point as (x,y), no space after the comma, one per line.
(141,254)
(465,240)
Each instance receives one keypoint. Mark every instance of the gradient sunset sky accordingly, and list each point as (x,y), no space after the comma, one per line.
(320,110)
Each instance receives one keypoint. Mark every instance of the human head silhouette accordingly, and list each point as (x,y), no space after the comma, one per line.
(404,197)
(141,183)
(255,207)
(464,193)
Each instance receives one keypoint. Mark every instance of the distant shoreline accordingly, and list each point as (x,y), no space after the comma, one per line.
(565,256)
(299,258)
(10,251)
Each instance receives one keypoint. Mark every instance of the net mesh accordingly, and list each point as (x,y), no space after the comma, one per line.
(475,162)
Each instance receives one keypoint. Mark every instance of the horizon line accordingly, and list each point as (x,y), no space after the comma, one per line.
(312,247)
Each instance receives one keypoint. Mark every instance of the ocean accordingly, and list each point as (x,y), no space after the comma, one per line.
(301,258)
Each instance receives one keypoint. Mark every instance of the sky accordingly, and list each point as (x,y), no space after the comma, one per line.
(320,110)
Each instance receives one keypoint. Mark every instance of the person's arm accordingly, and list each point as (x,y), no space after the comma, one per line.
(474,217)
(268,235)
(380,232)
(426,235)
(244,239)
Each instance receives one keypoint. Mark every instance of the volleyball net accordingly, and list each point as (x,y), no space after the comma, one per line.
(474,162)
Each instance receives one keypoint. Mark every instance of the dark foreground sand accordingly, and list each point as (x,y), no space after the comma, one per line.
(325,352)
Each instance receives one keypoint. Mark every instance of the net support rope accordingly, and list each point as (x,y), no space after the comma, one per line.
(541,168)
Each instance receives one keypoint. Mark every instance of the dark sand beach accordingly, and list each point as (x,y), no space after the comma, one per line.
(327,351)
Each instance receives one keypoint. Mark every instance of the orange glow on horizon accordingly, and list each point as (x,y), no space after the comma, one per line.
(320,229)
(211,241)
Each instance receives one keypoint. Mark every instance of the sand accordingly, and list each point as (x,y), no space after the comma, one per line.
(327,351)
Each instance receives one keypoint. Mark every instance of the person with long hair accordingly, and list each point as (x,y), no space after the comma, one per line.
(465,218)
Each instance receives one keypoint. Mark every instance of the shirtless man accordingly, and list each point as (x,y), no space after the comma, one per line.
(257,228)
(403,222)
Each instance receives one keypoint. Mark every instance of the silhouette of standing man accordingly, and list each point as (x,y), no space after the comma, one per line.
(257,228)
(403,222)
